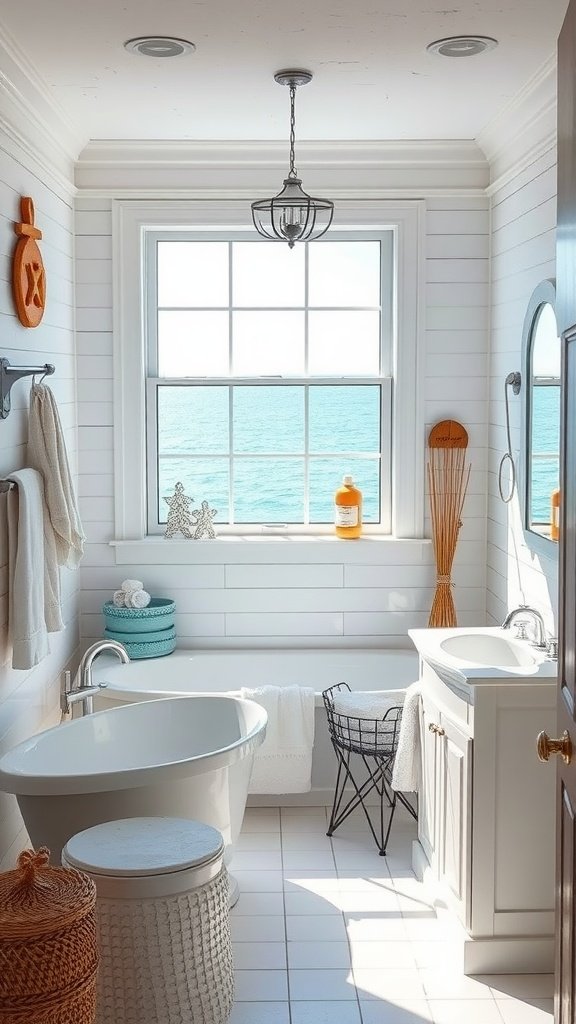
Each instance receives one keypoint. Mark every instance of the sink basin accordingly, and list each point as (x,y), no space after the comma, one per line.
(473,656)
(485,649)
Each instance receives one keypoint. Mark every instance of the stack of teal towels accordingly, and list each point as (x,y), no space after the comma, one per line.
(143,624)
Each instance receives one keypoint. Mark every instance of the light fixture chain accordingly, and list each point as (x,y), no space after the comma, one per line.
(292,171)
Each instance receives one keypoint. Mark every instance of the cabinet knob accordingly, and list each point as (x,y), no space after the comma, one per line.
(546,746)
(433,727)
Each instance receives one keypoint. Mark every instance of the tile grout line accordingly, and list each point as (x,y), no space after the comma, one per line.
(349,943)
(284,909)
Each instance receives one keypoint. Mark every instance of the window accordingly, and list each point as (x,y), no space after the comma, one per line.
(269,376)
(137,227)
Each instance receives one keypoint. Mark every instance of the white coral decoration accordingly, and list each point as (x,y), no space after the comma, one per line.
(129,586)
(137,599)
(119,599)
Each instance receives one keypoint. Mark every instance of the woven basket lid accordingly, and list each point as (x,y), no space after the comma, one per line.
(144,846)
(37,899)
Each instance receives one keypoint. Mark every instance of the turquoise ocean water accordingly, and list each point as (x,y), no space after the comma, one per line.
(545,446)
(195,438)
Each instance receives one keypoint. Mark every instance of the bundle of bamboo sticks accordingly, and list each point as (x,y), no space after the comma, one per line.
(448,477)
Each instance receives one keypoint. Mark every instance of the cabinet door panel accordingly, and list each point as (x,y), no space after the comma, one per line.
(428,795)
(454,844)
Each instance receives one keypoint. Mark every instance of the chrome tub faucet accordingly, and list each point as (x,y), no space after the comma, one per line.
(85,691)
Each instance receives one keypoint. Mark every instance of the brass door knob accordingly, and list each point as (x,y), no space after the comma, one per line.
(546,746)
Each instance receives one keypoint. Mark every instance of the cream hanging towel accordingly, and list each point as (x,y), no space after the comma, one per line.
(33,595)
(47,454)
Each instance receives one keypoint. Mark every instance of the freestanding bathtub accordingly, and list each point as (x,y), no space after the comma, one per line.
(218,672)
(189,757)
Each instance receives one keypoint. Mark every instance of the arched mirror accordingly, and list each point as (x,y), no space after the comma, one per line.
(540,455)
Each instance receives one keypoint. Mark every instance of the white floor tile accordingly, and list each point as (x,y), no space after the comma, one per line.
(398,1011)
(438,954)
(260,1013)
(424,926)
(355,881)
(361,860)
(256,904)
(363,902)
(259,881)
(381,984)
(383,927)
(260,986)
(259,956)
(537,1011)
(318,955)
(306,841)
(303,819)
(261,842)
(300,904)
(258,929)
(452,984)
(316,929)
(316,860)
(324,1012)
(308,880)
(334,985)
(254,861)
(261,819)
(467,1011)
(382,955)
(520,986)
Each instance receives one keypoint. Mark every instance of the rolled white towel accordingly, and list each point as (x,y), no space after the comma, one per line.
(129,586)
(119,599)
(138,599)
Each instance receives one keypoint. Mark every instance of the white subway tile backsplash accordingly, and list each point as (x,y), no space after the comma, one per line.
(298,576)
(287,624)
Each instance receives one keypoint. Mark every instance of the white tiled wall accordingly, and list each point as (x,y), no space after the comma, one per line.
(29,700)
(523,254)
(310,593)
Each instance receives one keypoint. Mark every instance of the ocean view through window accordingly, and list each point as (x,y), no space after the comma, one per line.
(269,376)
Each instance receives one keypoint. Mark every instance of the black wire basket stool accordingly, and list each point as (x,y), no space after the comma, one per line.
(375,740)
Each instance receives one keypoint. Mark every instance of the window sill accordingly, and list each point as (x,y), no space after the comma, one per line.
(306,548)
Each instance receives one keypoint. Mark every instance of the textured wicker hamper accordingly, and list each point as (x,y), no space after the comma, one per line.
(162,915)
(48,950)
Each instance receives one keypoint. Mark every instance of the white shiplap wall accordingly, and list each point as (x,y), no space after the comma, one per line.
(523,241)
(29,700)
(313,593)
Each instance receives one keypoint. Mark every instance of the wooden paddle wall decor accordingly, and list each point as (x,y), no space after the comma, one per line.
(28,274)
(448,477)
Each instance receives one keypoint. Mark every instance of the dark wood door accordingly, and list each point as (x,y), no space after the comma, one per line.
(566,729)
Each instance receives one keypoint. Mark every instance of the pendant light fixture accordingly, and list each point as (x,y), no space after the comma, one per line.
(292,216)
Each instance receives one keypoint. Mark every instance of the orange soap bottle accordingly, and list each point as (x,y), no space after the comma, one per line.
(348,510)
(555,515)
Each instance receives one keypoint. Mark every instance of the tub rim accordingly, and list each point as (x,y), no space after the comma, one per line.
(24,783)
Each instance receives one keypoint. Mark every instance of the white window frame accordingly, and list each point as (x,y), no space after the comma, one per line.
(382,380)
(130,222)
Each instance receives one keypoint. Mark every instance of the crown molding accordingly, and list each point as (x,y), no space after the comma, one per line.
(251,168)
(524,128)
(31,121)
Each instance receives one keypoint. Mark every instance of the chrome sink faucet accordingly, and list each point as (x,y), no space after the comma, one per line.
(520,614)
(84,693)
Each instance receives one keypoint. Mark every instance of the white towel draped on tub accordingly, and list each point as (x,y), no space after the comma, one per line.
(47,454)
(34,586)
(406,771)
(283,764)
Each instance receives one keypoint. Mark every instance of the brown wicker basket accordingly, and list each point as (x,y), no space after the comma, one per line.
(48,950)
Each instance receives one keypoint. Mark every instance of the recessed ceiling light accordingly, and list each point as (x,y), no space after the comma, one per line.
(159,46)
(462,46)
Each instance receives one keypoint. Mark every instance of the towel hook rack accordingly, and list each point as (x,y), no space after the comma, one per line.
(10,374)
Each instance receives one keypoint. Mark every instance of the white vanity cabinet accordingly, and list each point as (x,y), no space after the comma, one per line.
(486,817)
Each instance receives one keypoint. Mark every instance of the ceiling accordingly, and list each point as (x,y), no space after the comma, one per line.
(373,78)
